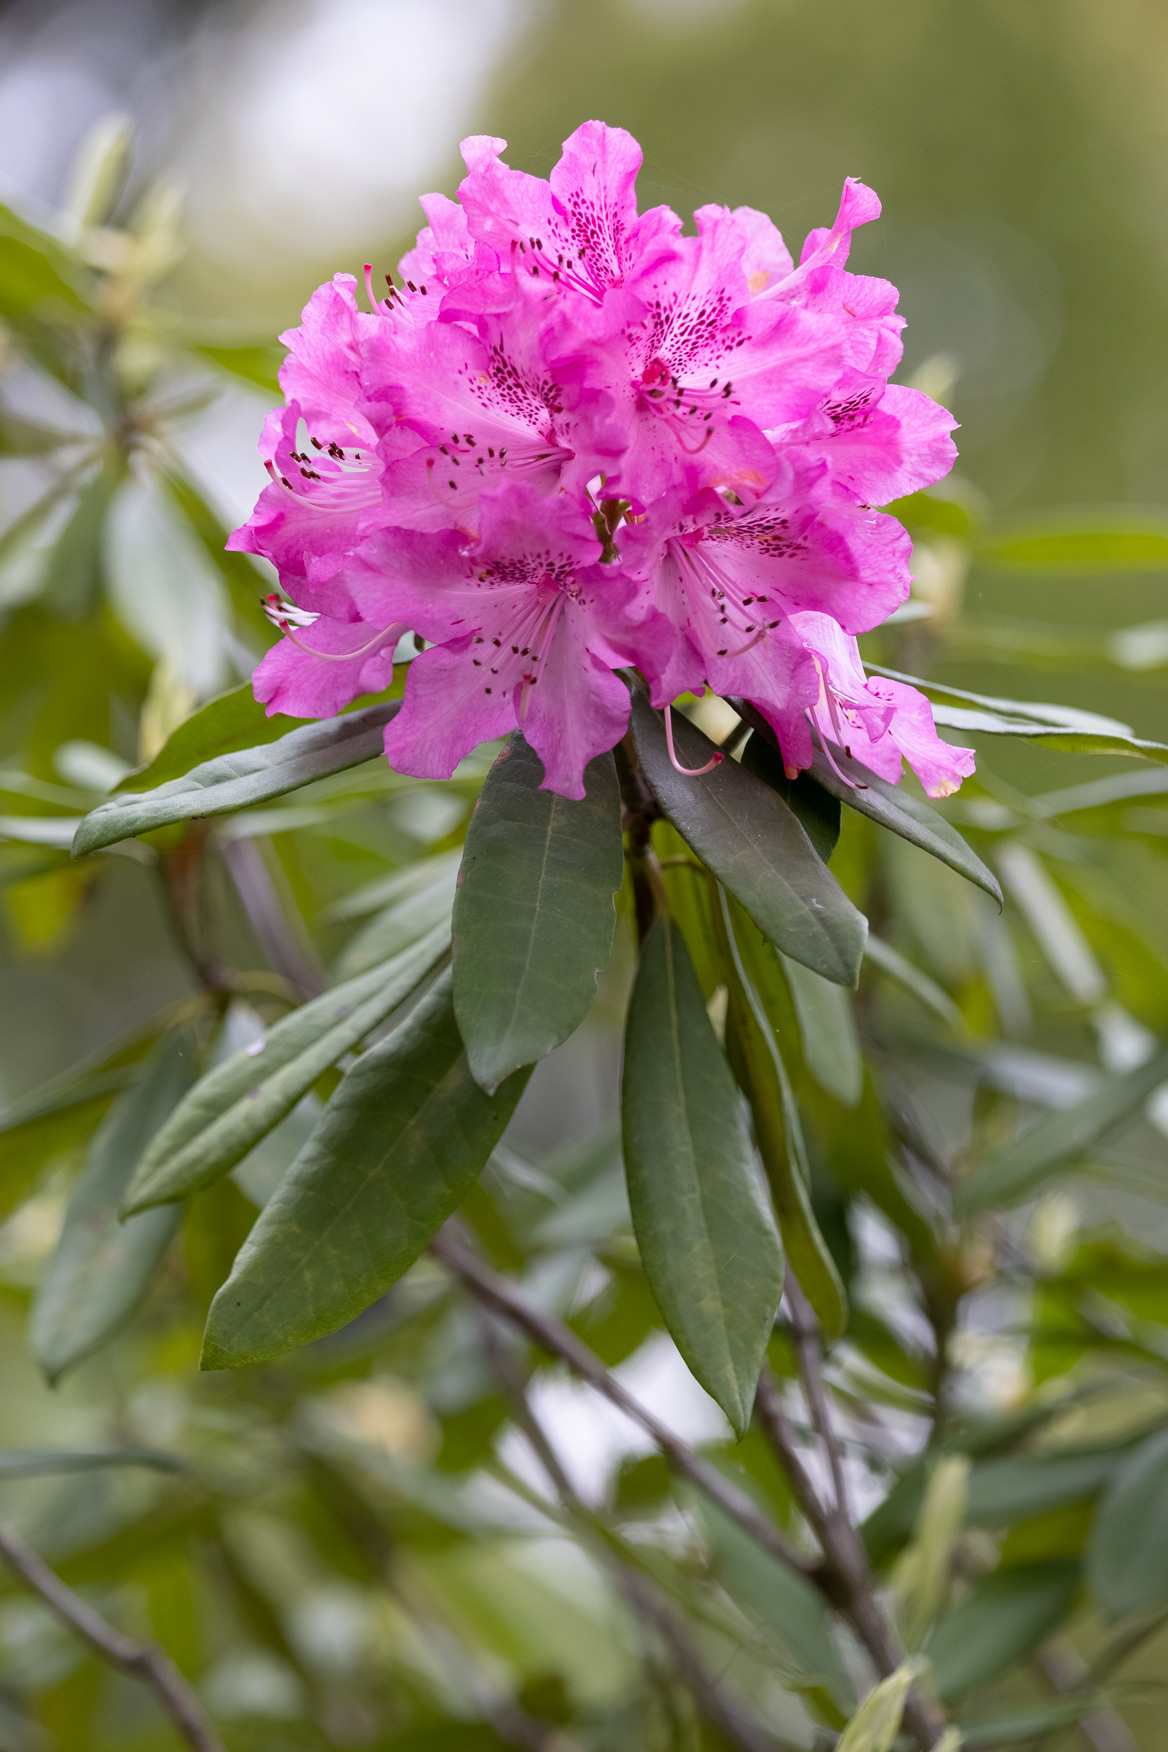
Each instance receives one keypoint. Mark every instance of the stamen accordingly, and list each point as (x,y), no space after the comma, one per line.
(687,772)
(283,616)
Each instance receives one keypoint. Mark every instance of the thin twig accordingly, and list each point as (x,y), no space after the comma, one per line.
(144,1661)
(642,1596)
(552,1336)
(806,1338)
(844,1576)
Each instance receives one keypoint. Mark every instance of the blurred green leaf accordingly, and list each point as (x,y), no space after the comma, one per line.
(1012,1726)
(533,916)
(1127,1553)
(49,1462)
(781,1599)
(874,1726)
(1119,540)
(402,1139)
(897,967)
(240,779)
(236,1104)
(34,270)
(755,846)
(73,576)
(707,1239)
(999,1624)
(831,1046)
(102,1268)
(1060,1137)
(424,906)
(257,364)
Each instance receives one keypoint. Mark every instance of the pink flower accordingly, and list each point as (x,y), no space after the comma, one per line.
(527,629)
(581,227)
(574,439)
(731,578)
(873,720)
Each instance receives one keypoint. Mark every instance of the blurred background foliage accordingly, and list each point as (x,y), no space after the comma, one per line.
(348,1555)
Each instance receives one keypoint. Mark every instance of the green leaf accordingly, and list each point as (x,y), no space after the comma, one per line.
(246,582)
(999,1624)
(903,814)
(101,1268)
(225,725)
(758,1064)
(831,1046)
(74,573)
(1065,727)
(1012,1726)
(706,1235)
(780,1598)
(240,1101)
(534,915)
(419,910)
(895,965)
(1120,540)
(397,1148)
(237,780)
(818,811)
(1011,1172)
(1127,1552)
(258,364)
(875,1724)
(34,270)
(51,1462)
(755,846)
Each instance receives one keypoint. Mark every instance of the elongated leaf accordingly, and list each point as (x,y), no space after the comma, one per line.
(755,846)
(258,363)
(1124,539)
(385,891)
(240,1101)
(1008,1728)
(35,269)
(419,911)
(906,815)
(831,1046)
(933,996)
(997,1625)
(1127,1553)
(781,1599)
(73,577)
(396,1150)
(101,1268)
(50,1462)
(817,809)
(1057,1138)
(758,1064)
(706,1235)
(225,725)
(534,915)
(874,1726)
(237,780)
(1066,727)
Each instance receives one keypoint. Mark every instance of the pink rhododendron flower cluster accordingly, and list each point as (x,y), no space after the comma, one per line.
(574,440)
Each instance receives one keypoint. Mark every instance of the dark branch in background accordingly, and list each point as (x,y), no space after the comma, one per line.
(144,1661)
(182,877)
(288,952)
(844,1575)
(806,1336)
(640,1593)
(553,1337)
